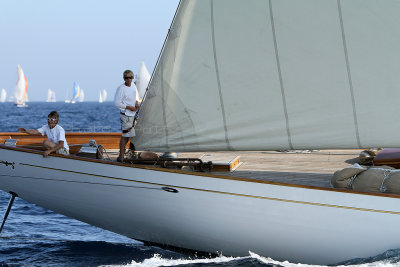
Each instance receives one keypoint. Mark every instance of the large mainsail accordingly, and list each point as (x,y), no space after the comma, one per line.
(275,74)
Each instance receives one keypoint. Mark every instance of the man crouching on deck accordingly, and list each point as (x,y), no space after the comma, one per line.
(55,133)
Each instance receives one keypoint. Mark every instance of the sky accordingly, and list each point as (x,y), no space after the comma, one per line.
(57,42)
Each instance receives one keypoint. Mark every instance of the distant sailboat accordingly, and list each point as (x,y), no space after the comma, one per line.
(102,96)
(21,90)
(76,93)
(67,98)
(142,80)
(51,96)
(3,95)
(81,96)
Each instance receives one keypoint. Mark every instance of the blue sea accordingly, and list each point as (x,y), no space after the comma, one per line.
(33,236)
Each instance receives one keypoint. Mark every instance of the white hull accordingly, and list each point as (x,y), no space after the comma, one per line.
(293,223)
(21,105)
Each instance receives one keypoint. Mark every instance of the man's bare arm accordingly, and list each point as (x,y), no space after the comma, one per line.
(28,131)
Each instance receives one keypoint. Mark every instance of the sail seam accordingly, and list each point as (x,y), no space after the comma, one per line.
(164,107)
(289,136)
(346,56)
(218,77)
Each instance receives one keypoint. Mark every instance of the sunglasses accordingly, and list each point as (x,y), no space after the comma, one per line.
(51,120)
(126,78)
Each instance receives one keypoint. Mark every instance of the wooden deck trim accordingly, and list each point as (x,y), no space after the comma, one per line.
(203,174)
(107,140)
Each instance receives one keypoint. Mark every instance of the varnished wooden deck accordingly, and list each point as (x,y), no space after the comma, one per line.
(313,168)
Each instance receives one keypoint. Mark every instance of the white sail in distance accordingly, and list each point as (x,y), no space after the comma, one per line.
(142,80)
(102,96)
(51,96)
(304,74)
(81,96)
(21,90)
(3,95)
(48,95)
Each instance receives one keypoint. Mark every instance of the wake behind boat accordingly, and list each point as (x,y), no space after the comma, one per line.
(307,85)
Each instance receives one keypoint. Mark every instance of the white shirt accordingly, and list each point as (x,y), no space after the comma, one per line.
(126,96)
(55,135)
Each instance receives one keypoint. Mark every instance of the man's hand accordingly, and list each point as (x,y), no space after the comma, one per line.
(131,108)
(46,153)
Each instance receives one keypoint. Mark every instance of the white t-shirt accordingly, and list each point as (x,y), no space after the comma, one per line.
(55,135)
(126,96)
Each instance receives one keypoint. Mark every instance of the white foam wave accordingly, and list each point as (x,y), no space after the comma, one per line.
(270,261)
(157,261)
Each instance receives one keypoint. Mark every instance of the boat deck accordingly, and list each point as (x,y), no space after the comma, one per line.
(311,168)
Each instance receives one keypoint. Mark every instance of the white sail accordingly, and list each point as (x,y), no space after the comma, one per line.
(102,96)
(81,96)
(3,95)
(48,99)
(142,80)
(51,96)
(318,74)
(20,91)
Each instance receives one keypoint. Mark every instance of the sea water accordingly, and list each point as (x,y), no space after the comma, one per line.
(33,236)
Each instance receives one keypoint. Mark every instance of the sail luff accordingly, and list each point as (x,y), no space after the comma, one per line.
(286,83)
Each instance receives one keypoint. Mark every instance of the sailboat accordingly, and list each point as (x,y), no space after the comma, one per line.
(51,96)
(314,70)
(3,95)
(102,96)
(142,80)
(81,96)
(21,90)
(76,93)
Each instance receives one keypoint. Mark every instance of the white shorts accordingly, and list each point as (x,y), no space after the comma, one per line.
(126,124)
(62,151)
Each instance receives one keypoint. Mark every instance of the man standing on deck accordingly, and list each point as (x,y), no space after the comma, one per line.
(127,100)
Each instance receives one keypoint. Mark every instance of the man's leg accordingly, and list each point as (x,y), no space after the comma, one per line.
(122,144)
(47,144)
